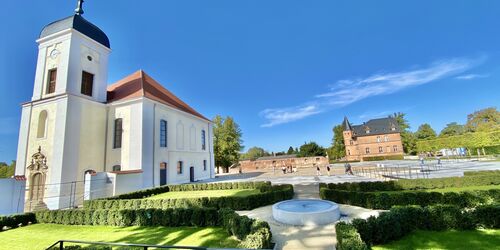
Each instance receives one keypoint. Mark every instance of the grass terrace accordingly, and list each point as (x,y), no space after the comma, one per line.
(206,193)
(482,239)
(40,236)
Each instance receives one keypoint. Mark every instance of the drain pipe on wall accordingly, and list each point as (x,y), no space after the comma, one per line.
(154,142)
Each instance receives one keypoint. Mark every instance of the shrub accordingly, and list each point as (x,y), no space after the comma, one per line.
(348,238)
(400,221)
(271,194)
(13,221)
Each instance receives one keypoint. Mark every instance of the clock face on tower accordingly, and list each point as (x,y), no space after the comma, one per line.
(54,53)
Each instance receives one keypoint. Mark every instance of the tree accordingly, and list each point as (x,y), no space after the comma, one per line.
(407,137)
(7,171)
(227,142)
(311,149)
(290,151)
(254,152)
(425,131)
(487,119)
(337,150)
(452,129)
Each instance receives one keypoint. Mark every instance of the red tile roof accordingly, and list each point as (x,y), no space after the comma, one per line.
(139,84)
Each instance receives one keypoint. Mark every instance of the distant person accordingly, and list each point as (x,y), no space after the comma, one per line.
(318,170)
(348,168)
(439,160)
(328,169)
(295,169)
(283,169)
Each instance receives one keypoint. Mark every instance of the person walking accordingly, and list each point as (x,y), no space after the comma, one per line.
(328,169)
(348,169)
(318,170)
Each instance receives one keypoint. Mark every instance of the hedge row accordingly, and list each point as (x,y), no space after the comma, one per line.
(252,233)
(401,221)
(416,184)
(385,200)
(269,195)
(348,238)
(486,172)
(13,221)
(191,187)
(382,158)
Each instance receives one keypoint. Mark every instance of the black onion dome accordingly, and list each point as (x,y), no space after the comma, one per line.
(79,23)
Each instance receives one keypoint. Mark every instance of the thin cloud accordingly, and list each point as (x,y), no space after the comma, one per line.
(280,116)
(470,76)
(347,91)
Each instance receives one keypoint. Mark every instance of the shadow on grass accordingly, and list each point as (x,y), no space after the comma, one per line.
(189,236)
(475,239)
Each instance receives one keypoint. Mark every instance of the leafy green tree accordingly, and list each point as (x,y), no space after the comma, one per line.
(452,129)
(253,153)
(407,137)
(290,151)
(7,171)
(311,149)
(487,119)
(227,142)
(337,150)
(425,131)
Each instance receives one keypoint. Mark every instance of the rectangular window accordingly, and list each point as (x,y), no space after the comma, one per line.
(386,138)
(117,142)
(395,148)
(378,138)
(380,150)
(179,167)
(163,133)
(367,150)
(348,152)
(204,165)
(87,83)
(203,142)
(51,85)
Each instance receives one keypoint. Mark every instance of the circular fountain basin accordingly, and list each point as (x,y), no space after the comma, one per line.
(306,212)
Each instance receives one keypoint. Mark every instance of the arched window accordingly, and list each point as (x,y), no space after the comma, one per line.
(42,124)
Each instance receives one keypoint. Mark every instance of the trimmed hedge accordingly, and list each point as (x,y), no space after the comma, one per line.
(416,184)
(382,158)
(385,200)
(252,233)
(485,172)
(269,195)
(13,221)
(385,194)
(401,221)
(261,185)
(348,238)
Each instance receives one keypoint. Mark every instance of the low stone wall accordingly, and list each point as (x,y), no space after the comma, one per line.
(276,164)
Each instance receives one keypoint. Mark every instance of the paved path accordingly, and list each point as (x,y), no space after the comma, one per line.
(305,237)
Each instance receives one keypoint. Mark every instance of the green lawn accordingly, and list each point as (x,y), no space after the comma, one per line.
(40,236)
(205,193)
(466,240)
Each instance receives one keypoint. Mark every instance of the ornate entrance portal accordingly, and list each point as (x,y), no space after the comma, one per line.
(37,176)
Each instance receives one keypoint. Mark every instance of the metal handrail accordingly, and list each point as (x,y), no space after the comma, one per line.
(145,246)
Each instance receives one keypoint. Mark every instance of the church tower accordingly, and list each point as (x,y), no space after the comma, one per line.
(62,133)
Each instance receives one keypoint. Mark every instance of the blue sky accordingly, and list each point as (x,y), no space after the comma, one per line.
(287,71)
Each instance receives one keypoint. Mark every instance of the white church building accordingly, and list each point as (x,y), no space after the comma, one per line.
(80,138)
